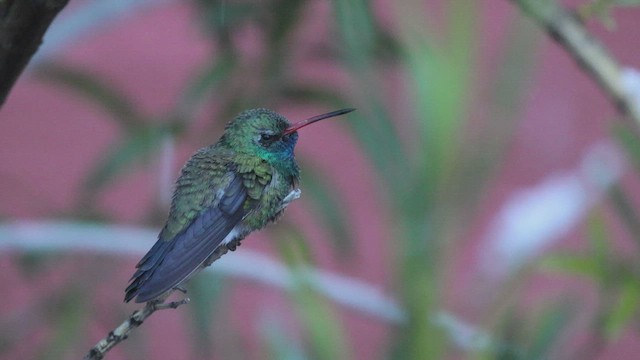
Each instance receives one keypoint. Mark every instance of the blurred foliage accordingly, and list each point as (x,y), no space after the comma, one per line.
(429,168)
(602,10)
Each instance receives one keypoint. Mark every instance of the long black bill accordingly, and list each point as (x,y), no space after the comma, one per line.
(303,123)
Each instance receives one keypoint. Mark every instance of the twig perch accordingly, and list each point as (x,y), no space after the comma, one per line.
(568,31)
(122,331)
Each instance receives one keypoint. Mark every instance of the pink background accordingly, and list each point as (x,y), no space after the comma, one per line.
(50,137)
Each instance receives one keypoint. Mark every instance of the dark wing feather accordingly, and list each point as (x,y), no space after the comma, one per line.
(170,262)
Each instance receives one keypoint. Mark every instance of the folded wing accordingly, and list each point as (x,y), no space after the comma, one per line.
(171,261)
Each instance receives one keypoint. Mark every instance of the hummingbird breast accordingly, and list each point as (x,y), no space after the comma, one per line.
(270,200)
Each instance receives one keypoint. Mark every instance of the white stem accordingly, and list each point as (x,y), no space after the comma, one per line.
(247,264)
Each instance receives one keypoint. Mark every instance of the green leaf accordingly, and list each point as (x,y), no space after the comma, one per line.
(205,83)
(34,262)
(205,292)
(68,317)
(371,125)
(278,344)
(287,14)
(626,210)
(322,328)
(292,247)
(484,152)
(624,309)
(95,90)
(583,265)
(599,239)
(135,149)
(549,330)
(313,94)
(330,209)
(628,138)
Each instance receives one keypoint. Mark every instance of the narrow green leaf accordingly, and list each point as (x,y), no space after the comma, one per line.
(583,265)
(628,138)
(599,240)
(627,2)
(624,309)
(95,90)
(626,210)
(278,344)
(322,328)
(313,94)
(330,209)
(33,263)
(484,151)
(136,148)
(292,247)
(371,125)
(287,14)
(204,84)
(205,292)
(68,317)
(549,331)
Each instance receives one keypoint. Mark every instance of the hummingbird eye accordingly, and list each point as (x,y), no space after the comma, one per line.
(267,138)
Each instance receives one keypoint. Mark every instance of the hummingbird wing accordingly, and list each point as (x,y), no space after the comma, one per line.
(170,261)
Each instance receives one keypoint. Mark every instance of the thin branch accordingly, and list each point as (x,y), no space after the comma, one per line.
(22,27)
(568,31)
(122,331)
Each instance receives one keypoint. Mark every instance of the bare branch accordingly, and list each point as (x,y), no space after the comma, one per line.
(122,331)
(22,26)
(569,32)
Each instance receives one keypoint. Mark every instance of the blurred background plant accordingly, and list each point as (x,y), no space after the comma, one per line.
(437,110)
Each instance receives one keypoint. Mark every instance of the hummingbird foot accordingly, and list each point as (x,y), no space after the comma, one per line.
(233,245)
(181,289)
(170,305)
(293,195)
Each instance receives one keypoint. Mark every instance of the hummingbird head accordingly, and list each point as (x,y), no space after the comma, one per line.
(267,133)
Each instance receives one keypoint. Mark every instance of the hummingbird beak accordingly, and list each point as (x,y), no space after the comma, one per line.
(300,124)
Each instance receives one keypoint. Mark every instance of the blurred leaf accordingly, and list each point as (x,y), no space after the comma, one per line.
(278,344)
(512,336)
(205,292)
(549,331)
(583,265)
(287,13)
(92,88)
(68,315)
(485,150)
(624,309)
(134,149)
(330,209)
(371,125)
(322,327)
(292,247)
(219,18)
(625,210)
(598,239)
(602,10)
(303,93)
(32,263)
(627,136)
(204,84)
(441,79)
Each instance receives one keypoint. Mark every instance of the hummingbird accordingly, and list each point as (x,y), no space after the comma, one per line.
(224,192)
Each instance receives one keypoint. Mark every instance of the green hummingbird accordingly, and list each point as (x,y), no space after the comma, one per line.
(224,192)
